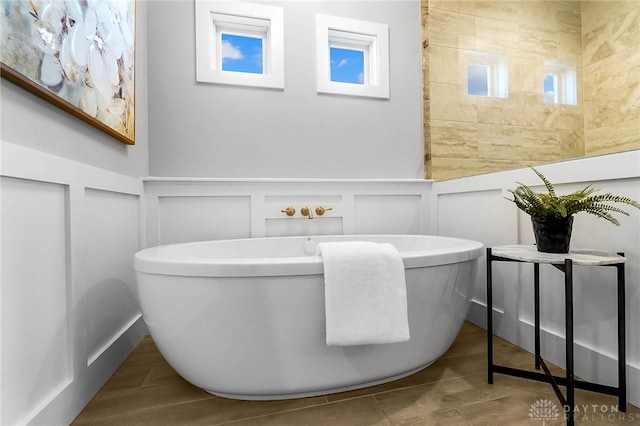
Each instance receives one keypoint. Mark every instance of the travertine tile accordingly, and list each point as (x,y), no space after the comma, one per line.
(498,36)
(596,13)
(571,143)
(525,143)
(526,73)
(623,136)
(538,41)
(452,29)
(450,102)
(616,71)
(569,34)
(447,65)
(517,110)
(452,168)
(541,144)
(612,109)
(499,134)
(454,139)
(466,7)
(508,11)
(531,32)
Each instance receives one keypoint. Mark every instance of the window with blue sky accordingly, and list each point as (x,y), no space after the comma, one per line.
(559,83)
(477,80)
(549,88)
(347,65)
(352,57)
(242,53)
(487,74)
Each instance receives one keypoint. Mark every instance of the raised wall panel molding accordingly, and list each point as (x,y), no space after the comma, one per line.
(36,296)
(384,206)
(69,232)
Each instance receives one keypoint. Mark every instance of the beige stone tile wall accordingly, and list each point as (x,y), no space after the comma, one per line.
(468,135)
(611,58)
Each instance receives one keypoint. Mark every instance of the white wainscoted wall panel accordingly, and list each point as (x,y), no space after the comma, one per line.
(194,209)
(389,214)
(201,218)
(474,208)
(35,295)
(69,315)
(474,215)
(111,236)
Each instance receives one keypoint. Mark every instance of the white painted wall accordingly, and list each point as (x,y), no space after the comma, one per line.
(206,130)
(474,208)
(70,223)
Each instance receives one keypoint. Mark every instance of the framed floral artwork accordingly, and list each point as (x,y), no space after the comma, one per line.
(78,55)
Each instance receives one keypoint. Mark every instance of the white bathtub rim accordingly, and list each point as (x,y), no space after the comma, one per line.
(151,262)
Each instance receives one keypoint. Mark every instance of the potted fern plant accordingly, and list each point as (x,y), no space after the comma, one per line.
(552,215)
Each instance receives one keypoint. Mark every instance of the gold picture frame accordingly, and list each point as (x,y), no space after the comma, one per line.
(77,55)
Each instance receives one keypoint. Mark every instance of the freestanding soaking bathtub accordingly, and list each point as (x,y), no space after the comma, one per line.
(245,319)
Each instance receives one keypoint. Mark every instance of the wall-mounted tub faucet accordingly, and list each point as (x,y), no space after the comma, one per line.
(306,211)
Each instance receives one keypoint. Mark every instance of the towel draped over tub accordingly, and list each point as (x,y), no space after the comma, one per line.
(365,293)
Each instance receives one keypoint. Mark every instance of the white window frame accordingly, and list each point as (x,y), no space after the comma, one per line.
(214,18)
(565,82)
(370,37)
(497,72)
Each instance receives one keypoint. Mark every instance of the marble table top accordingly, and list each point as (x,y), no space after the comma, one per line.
(579,257)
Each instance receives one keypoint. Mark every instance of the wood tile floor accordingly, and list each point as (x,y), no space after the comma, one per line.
(453,391)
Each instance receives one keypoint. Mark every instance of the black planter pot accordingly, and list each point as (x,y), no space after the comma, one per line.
(553,234)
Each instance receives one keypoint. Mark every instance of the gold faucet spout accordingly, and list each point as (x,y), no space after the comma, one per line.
(306,211)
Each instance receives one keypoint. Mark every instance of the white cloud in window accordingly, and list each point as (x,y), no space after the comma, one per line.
(343,62)
(229,51)
(257,57)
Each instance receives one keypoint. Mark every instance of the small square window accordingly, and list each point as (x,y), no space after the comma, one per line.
(478,80)
(347,65)
(487,75)
(239,43)
(353,57)
(550,88)
(559,84)
(241,53)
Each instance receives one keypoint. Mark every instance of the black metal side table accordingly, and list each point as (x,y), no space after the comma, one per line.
(564,262)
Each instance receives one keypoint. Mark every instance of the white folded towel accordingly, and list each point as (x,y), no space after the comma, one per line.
(365,293)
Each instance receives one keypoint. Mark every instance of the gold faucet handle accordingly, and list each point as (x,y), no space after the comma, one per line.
(290,211)
(320,210)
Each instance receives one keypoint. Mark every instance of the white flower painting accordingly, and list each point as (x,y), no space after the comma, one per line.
(78,54)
